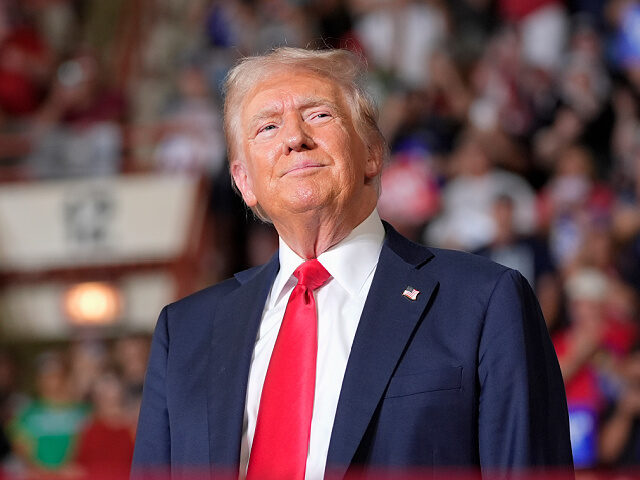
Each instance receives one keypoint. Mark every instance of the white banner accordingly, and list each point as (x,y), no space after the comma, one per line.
(114,220)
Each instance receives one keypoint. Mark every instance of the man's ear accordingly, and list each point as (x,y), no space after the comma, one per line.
(243,182)
(375,159)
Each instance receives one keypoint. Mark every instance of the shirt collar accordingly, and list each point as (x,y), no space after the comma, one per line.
(350,262)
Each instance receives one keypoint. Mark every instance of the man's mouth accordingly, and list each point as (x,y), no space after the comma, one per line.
(302,168)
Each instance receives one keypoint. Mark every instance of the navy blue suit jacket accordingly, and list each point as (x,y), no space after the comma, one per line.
(465,375)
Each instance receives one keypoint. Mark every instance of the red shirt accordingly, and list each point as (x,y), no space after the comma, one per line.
(105,451)
(582,388)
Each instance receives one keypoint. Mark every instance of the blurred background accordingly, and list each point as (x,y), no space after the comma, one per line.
(514,128)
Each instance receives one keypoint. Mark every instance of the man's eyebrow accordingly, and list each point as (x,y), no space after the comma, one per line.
(264,114)
(310,102)
(307,102)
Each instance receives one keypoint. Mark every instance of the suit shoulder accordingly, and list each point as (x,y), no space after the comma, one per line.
(206,296)
(194,312)
(465,268)
(203,303)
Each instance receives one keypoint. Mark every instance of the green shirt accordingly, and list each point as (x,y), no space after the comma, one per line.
(50,430)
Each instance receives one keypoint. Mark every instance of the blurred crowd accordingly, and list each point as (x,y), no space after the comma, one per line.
(79,419)
(514,132)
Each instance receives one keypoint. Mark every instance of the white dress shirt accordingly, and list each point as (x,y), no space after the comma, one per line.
(340,301)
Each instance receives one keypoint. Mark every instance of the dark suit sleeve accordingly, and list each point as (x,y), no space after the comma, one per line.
(153,446)
(522,419)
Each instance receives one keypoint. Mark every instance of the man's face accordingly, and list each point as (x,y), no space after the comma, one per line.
(300,150)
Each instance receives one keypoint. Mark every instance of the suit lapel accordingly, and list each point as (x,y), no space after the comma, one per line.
(386,326)
(235,328)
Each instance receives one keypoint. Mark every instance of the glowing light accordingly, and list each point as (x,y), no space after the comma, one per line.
(92,303)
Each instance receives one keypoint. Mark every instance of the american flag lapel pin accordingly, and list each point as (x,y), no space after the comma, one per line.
(411,293)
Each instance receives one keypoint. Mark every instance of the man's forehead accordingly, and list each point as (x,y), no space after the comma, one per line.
(300,88)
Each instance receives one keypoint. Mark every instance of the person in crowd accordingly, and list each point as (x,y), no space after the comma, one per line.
(416,29)
(130,354)
(87,360)
(543,29)
(595,355)
(570,202)
(105,444)
(76,132)
(619,441)
(529,255)
(467,199)
(190,139)
(44,433)
(577,347)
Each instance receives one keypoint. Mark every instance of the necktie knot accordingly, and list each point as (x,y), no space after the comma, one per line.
(311,274)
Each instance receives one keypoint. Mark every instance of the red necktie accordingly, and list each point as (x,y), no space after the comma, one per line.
(281,440)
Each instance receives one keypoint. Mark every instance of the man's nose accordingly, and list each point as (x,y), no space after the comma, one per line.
(296,136)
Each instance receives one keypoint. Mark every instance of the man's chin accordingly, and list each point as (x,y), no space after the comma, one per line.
(300,208)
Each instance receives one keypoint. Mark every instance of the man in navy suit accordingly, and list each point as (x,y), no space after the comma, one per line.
(424,358)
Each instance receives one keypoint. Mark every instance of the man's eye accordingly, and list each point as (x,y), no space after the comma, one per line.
(266,128)
(320,116)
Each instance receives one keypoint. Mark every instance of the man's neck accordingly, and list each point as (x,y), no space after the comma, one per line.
(310,234)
